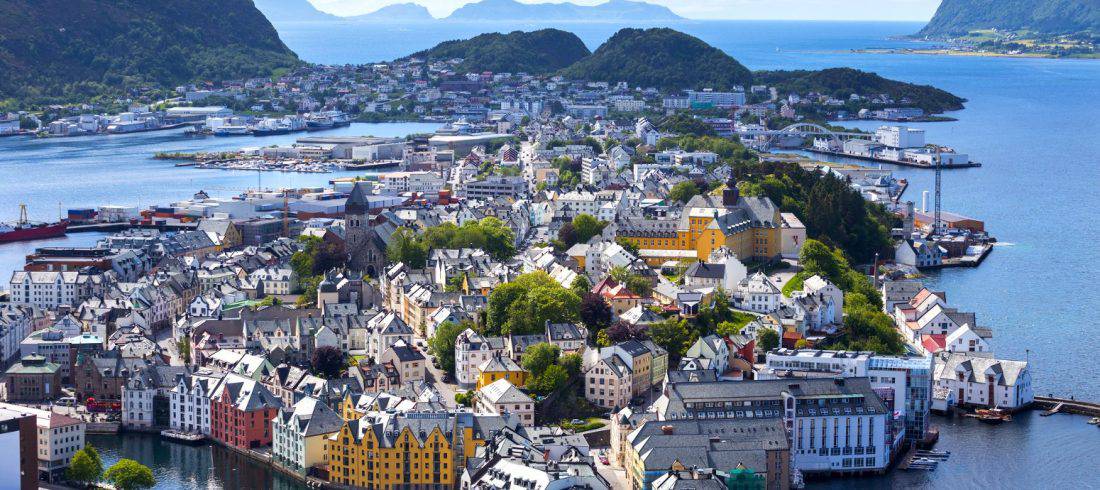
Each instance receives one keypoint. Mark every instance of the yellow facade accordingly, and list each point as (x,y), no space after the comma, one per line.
(517,378)
(361,460)
(702,236)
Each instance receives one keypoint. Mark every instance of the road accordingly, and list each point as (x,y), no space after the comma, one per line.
(616,477)
(435,377)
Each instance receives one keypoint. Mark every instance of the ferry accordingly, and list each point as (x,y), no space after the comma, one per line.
(24,229)
(231,131)
(327,120)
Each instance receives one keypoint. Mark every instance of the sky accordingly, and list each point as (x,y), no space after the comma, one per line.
(907,10)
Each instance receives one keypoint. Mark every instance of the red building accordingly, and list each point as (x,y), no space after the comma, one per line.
(241,410)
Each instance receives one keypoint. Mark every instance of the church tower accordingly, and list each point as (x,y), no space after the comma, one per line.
(365,249)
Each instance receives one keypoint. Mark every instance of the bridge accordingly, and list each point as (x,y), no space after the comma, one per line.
(803,130)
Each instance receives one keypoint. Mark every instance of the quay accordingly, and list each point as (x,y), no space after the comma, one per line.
(893,162)
(101,227)
(1053,405)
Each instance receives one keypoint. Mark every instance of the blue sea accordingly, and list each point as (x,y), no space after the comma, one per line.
(1032,122)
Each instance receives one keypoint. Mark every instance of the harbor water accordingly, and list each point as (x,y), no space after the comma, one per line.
(1031,122)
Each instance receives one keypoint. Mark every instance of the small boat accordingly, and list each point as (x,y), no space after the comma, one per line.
(992,416)
(1094,420)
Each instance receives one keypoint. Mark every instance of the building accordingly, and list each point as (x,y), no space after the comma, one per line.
(19,436)
(190,403)
(48,290)
(59,437)
(792,235)
(407,360)
(56,347)
(493,187)
(977,379)
(408,450)
(32,379)
(471,350)
(241,410)
(366,248)
(499,367)
(757,444)
(748,226)
(837,425)
(300,433)
(904,383)
(502,397)
(900,137)
(609,382)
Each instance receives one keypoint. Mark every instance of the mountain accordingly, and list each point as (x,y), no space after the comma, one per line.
(957,17)
(842,82)
(64,49)
(402,12)
(292,11)
(661,58)
(536,52)
(610,11)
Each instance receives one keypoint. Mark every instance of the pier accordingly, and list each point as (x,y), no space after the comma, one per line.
(1053,405)
(108,227)
(901,163)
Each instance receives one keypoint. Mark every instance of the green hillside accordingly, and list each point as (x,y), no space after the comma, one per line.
(957,17)
(842,82)
(78,49)
(537,52)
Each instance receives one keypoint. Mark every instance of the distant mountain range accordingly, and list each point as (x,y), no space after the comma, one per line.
(957,17)
(398,12)
(279,11)
(78,49)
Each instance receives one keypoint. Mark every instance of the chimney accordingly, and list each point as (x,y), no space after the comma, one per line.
(730,195)
(667,430)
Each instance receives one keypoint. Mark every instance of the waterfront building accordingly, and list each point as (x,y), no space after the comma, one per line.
(977,379)
(300,433)
(15,325)
(59,438)
(49,289)
(904,383)
(146,396)
(837,425)
(241,410)
(408,450)
(189,410)
(758,444)
(502,397)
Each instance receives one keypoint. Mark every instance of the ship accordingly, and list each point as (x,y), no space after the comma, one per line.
(24,229)
(327,120)
(231,130)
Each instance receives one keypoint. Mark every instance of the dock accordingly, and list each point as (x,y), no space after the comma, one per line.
(1053,405)
(901,163)
(108,227)
(184,437)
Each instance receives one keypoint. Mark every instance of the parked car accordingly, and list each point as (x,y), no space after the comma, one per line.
(67,401)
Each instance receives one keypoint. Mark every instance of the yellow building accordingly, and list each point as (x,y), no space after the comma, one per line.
(500,367)
(415,450)
(749,226)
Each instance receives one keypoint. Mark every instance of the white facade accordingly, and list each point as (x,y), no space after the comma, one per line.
(756,293)
(471,350)
(190,404)
(47,290)
(900,136)
(978,379)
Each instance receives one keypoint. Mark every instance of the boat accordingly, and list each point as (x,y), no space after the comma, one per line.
(1094,420)
(183,437)
(992,416)
(270,131)
(320,124)
(231,130)
(24,229)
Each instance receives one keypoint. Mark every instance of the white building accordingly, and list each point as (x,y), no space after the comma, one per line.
(471,350)
(189,407)
(978,379)
(756,293)
(48,290)
(298,434)
(59,438)
(900,137)
(501,396)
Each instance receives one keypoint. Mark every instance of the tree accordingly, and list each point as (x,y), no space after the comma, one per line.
(734,326)
(465,399)
(567,235)
(683,191)
(86,468)
(540,356)
(442,344)
(628,245)
(580,286)
(622,331)
(406,247)
(183,345)
(586,226)
(572,364)
(595,313)
(524,305)
(128,474)
(550,380)
(716,312)
(327,361)
(672,335)
(767,339)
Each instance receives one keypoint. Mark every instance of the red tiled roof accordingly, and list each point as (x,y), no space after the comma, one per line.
(934,342)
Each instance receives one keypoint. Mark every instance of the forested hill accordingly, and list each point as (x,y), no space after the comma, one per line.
(957,17)
(843,82)
(77,49)
(662,58)
(536,52)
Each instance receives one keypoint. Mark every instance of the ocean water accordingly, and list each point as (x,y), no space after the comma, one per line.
(1031,122)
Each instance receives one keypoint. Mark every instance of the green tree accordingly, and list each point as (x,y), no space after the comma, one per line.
(580,286)
(442,344)
(550,380)
(572,364)
(767,339)
(539,357)
(183,345)
(524,305)
(683,191)
(734,325)
(628,245)
(85,468)
(128,474)
(406,247)
(586,226)
(672,335)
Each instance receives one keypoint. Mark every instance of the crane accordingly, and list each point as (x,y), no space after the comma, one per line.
(938,221)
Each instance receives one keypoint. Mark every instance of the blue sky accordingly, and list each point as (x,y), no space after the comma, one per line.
(912,10)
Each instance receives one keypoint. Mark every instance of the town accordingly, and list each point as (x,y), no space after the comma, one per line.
(535,297)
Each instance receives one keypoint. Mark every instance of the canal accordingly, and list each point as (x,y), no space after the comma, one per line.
(180,466)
